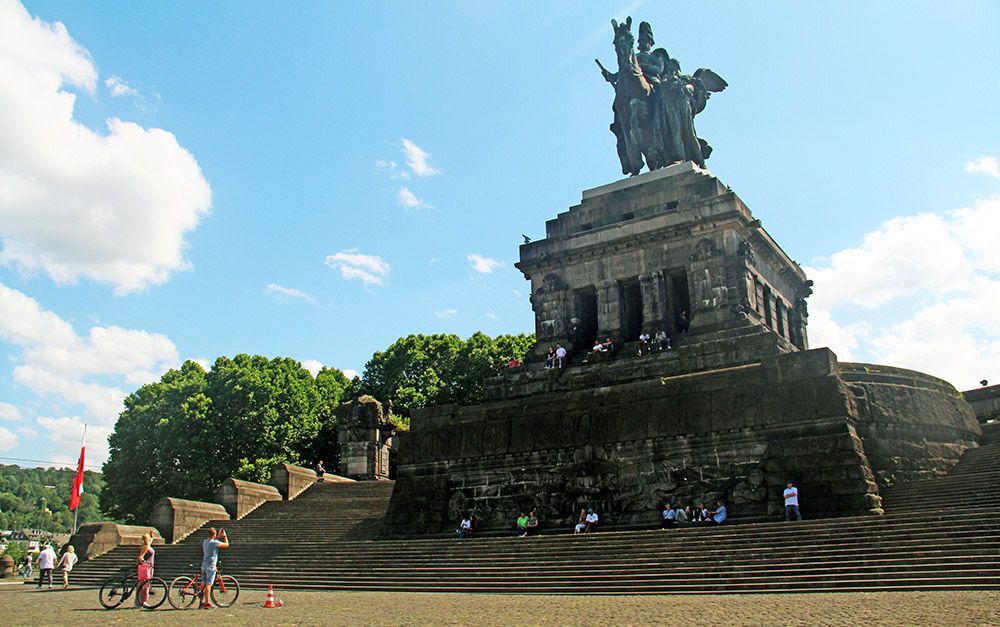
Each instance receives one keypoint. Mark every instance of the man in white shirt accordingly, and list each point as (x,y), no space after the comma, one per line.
(792,502)
(560,355)
(46,562)
(591,521)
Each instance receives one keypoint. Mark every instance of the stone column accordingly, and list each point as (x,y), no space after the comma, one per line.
(653,301)
(609,319)
(800,318)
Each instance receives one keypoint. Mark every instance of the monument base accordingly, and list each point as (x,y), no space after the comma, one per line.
(737,433)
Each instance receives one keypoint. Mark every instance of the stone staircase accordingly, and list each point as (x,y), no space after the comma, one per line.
(936,534)
(326,514)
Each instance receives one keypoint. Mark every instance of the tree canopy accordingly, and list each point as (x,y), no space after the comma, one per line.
(185,434)
(424,370)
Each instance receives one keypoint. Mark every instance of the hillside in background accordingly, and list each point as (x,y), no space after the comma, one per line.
(38,498)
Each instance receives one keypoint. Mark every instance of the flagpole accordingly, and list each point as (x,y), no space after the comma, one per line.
(83,443)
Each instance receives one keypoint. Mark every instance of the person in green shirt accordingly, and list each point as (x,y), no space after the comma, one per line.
(522,525)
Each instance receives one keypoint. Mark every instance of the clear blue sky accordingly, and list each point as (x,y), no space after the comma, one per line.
(855,132)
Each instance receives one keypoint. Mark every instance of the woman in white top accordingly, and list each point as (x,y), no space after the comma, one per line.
(67,562)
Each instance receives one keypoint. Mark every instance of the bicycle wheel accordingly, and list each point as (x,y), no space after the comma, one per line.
(113,593)
(154,591)
(183,593)
(225,591)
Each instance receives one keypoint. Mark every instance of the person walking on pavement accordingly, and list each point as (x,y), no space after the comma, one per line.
(792,502)
(209,561)
(46,562)
(67,562)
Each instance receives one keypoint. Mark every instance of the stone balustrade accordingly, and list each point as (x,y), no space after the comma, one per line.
(239,498)
(291,480)
(94,539)
(179,518)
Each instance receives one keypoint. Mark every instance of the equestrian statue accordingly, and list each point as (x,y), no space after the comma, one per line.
(655,103)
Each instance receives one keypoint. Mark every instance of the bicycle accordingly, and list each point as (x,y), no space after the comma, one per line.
(119,587)
(185,590)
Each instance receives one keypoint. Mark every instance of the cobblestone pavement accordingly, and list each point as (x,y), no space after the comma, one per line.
(23,605)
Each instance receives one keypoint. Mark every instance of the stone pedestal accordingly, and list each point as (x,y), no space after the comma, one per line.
(290,481)
(242,497)
(94,539)
(638,254)
(364,432)
(176,519)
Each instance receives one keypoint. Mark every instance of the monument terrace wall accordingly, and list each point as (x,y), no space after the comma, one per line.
(738,433)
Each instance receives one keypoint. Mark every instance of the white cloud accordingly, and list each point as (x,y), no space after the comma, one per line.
(351,374)
(312,366)
(113,207)
(27,432)
(118,87)
(103,403)
(409,200)
(370,269)
(491,316)
(482,265)
(288,292)
(8,439)
(391,169)
(445,313)
(203,362)
(65,435)
(77,373)
(920,292)
(11,413)
(517,293)
(416,158)
(984,165)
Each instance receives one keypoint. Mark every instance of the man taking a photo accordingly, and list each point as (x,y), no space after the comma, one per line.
(210,558)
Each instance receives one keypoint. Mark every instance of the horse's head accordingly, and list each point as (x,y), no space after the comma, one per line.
(624,41)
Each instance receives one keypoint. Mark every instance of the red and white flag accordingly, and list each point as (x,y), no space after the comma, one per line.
(74,499)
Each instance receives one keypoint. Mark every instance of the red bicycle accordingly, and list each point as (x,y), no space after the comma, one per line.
(185,590)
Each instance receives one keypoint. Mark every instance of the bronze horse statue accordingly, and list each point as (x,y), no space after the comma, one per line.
(655,104)
(631,105)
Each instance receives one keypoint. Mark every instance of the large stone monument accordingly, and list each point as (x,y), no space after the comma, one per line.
(737,406)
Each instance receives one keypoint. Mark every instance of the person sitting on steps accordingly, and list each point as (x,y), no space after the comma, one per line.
(522,525)
(720,514)
(644,348)
(668,516)
(591,521)
(581,522)
(532,524)
(465,527)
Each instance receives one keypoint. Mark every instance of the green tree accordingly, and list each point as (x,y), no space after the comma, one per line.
(183,435)
(423,370)
(263,411)
(161,445)
(23,491)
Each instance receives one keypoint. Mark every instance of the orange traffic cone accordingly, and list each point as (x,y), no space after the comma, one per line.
(270,598)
